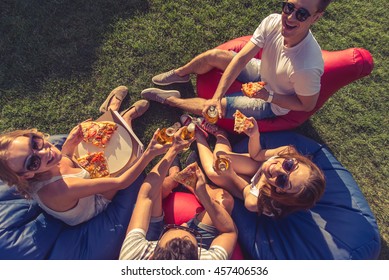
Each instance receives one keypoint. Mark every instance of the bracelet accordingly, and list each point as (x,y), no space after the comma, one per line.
(271,95)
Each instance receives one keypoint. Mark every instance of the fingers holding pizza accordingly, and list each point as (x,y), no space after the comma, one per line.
(251,129)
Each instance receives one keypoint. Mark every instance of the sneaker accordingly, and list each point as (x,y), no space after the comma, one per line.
(186,120)
(208,127)
(159,95)
(169,78)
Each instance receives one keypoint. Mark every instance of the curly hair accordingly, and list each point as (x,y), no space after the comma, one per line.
(6,173)
(282,204)
(176,249)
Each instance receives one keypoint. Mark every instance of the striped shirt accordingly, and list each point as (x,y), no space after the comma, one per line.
(136,247)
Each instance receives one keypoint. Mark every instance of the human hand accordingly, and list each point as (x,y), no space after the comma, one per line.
(212,102)
(75,135)
(154,147)
(249,131)
(180,144)
(263,94)
(201,181)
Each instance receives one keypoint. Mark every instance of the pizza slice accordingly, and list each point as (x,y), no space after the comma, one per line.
(241,122)
(187,177)
(250,89)
(98,133)
(95,163)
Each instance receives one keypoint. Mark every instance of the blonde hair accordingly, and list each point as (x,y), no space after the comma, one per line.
(7,175)
(282,204)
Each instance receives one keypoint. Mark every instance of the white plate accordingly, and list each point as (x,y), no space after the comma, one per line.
(117,152)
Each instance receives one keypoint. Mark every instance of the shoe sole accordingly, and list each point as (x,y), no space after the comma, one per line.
(174,93)
(167,84)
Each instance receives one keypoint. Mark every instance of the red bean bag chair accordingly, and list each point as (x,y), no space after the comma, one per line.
(180,207)
(340,68)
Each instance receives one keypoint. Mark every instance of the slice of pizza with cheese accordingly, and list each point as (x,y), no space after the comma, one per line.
(250,89)
(98,133)
(187,177)
(241,122)
(95,163)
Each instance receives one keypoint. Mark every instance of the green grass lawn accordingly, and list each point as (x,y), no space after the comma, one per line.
(59,59)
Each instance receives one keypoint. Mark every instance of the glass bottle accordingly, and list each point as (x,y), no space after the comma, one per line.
(187,133)
(221,164)
(212,115)
(165,135)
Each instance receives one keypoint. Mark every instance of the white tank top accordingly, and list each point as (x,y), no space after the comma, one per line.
(83,211)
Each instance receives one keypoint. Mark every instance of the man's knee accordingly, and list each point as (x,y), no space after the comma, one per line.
(218,58)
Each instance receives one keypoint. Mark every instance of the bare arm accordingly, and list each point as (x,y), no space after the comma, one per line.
(230,74)
(255,150)
(76,188)
(292,102)
(150,191)
(221,219)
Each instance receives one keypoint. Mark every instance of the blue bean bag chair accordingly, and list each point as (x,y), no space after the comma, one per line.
(26,232)
(340,226)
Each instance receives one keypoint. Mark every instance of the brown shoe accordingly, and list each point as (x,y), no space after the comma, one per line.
(140,107)
(119,93)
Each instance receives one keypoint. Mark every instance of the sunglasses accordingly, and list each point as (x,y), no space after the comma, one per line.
(33,162)
(302,14)
(192,231)
(288,165)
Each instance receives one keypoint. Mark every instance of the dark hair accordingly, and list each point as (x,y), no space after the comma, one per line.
(282,204)
(176,249)
(323,4)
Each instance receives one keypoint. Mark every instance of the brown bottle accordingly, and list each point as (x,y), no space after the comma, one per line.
(165,135)
(221,164)
(212,115)
(188,132)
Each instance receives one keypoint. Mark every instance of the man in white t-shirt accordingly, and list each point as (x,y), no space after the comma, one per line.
(291,65)
(210,235)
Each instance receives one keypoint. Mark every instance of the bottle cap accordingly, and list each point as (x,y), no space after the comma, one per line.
(191,127)
(176,125)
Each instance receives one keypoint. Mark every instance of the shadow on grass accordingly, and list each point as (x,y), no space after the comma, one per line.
(49,39)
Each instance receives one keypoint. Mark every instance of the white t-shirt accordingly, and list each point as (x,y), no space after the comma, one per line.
(288,71)
(137,247)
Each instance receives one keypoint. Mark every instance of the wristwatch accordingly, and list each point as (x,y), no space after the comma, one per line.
(271,95)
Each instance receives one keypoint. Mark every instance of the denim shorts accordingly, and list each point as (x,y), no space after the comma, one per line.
(251,71)
(155,228)
(208,232)
(250,107)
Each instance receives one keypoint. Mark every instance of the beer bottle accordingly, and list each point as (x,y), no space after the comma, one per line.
(221,164)
(188,132)
(165,135)
(212,115)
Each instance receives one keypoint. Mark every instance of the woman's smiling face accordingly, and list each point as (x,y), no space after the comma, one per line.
(30,154)
(286,174)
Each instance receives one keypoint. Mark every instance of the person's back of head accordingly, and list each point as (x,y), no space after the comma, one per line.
(176,249)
